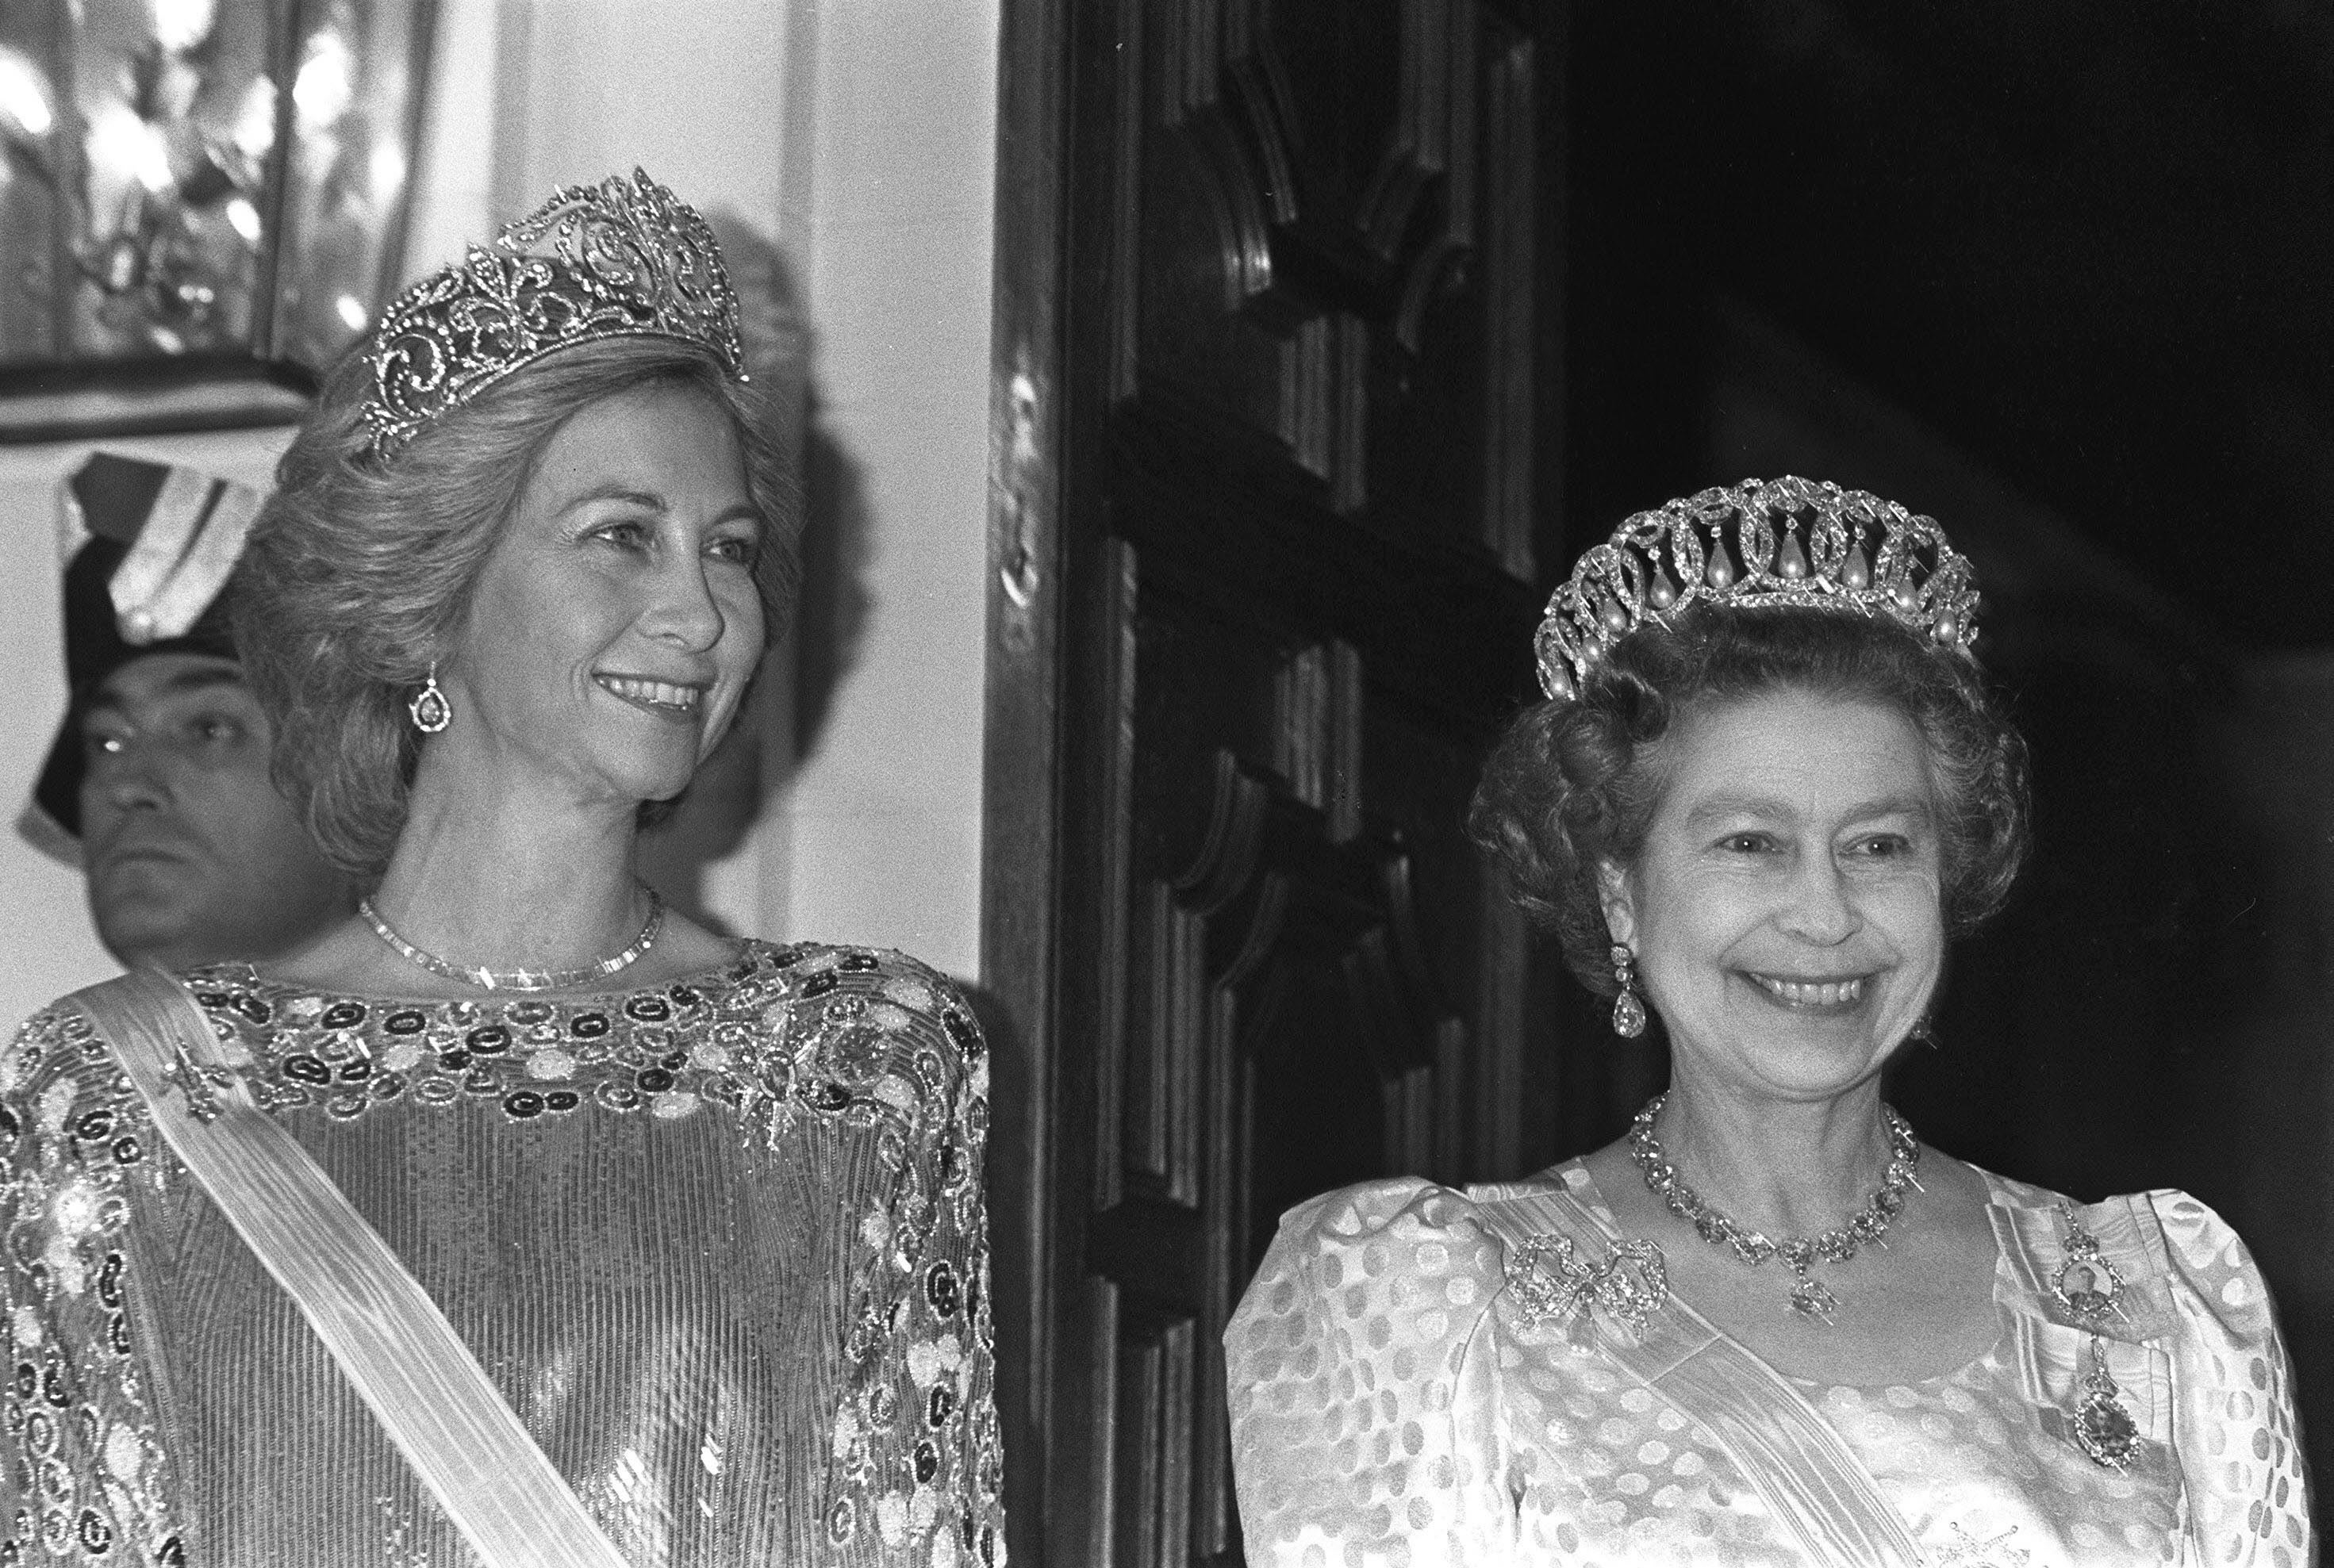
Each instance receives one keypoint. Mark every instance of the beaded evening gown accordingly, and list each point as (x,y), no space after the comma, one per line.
(1396,1400)
(721,1244)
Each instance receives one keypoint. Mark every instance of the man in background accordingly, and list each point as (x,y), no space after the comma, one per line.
(157,781)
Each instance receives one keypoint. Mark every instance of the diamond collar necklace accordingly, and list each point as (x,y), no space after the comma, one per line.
(1810,1296)
(520,979)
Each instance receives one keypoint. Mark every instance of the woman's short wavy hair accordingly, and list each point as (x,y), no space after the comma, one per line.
(360,570)
(1574,784)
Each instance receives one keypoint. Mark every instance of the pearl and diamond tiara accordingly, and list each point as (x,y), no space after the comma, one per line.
(1756,544)
(622,258)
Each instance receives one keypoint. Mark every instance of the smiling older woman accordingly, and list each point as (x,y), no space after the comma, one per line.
(516,1220)
(1770,1326)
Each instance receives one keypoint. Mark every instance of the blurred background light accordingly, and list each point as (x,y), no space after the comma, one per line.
(181,24)
(222,181)
(24,106)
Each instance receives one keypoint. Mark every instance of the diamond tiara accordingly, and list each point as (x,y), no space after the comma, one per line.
(1761,542)
(624,258)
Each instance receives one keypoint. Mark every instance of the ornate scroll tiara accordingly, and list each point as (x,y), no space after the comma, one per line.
(625,258)
(1743,547)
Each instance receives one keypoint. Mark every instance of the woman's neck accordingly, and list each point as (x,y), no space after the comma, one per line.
(512,878)
(1786,1168)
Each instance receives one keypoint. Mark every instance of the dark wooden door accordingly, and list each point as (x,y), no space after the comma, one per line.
(1275,398)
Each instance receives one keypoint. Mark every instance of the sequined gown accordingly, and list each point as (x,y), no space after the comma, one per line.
(1393,1403)
(720,1243)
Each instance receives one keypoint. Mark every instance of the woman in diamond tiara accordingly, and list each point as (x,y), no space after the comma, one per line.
(702,1217)
(1770,1326)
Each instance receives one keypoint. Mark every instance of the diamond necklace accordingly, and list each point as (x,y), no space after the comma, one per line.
(520,979)
(1809,1297)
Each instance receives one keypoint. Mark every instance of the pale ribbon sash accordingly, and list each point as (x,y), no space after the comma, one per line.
(388,1337)
(1782,1448)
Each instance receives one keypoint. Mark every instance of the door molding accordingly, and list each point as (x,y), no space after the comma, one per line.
(1021,843)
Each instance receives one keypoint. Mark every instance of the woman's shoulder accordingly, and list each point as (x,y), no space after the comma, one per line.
(1417,1239)
(873,1023)
(1386,1207)
(1413,1210)
(55,1054)
(872,966)
(1402,1253)
(2161,1234)
(892,989)
(2186,1222)
(1355,1369)
(64,1102)
(2203,1250)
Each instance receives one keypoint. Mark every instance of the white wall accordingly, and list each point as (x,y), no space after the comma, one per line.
(855,140)
(885,812)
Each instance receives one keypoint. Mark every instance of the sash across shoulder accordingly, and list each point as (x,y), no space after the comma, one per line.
(412,1371)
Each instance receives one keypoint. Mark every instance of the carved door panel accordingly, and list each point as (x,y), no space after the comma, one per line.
(1269,508)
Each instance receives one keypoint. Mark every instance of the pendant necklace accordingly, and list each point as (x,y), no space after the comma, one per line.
(520,979)
(2089,1288)
(1811,1298)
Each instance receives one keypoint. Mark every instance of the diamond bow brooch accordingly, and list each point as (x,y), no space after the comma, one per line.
(1550,1281)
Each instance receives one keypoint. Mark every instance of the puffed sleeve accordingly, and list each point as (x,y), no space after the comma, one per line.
(1363,1389)
(2239,1451)
(918,1471)
(85,1479)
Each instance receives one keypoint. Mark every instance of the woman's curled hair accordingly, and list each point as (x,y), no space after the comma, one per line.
(1574,784)
(359,570)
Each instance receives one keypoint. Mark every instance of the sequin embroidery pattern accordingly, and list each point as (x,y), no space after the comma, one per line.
(89,1480)
(722,1241)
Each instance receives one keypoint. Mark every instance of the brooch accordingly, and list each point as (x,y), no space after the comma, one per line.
(2086,1284)
(1968,1551)
(2103,1428)
(1549,1280)
(2089,1287)
(197,1084)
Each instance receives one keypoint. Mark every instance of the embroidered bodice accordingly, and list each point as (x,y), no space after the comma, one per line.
(1394,1398)
(721,1244)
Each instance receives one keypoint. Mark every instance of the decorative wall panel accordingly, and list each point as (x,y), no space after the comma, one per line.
(1300,357)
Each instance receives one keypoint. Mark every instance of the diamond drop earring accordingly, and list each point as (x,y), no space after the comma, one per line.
(1628,1011)
(430,710)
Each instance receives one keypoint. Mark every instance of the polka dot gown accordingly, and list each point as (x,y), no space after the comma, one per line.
(1390,1405)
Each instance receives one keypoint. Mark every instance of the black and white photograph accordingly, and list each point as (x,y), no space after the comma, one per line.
(1166,783)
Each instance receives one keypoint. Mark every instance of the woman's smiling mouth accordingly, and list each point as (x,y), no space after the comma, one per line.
(665,699)
(1811,994)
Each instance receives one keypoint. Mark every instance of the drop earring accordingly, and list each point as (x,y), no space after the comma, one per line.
(430,710)
(1628,1011)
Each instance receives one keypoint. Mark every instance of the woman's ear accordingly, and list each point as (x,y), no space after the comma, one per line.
(1620,904)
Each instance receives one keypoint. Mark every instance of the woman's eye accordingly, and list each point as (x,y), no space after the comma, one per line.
(1884,846)
(737,548)
(216,731)
(1746,843)
(630,534)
